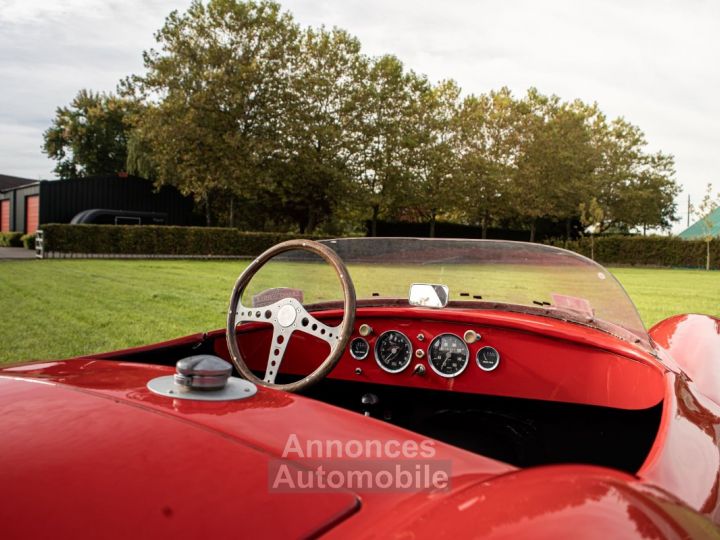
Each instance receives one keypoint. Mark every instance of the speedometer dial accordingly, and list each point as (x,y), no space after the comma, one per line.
(448,355)
(393,351)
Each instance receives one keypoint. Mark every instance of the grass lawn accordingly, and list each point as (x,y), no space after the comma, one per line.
(60,308)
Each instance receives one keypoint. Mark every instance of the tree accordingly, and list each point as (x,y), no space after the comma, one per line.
(89,137)
(238,104)
(635,189)
(388,96)
(215,94)
(435,152)
(556,160)
(591,217)
(488,142)
(704,213)
(578,160)
(312,169)
(620,147)
(653,192)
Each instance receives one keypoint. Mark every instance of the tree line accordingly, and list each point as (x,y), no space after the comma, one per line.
(271,126)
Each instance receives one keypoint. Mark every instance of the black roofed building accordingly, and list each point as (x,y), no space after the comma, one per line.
(96,199)
(10,182)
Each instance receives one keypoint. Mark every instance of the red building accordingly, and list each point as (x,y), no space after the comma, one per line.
(9,184)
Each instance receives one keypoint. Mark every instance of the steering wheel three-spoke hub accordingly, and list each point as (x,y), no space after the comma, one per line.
(287,316)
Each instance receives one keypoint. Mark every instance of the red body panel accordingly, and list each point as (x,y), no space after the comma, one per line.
(547,502)
(693,343)
(88,436)
(685,459)
(109,470)
(87,444)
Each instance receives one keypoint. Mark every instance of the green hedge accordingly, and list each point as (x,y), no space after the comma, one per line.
(28,240)
(158,240)
(647,250)
(209,241)
(11,239)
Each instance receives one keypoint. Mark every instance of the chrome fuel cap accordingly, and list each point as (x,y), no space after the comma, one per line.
(202,378)
(202,372)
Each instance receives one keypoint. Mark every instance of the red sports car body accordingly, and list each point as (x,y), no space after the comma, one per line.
(488,414)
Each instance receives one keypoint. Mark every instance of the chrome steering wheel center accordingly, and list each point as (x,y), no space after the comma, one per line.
(286,316)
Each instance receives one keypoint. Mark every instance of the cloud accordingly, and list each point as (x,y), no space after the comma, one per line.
(50,50)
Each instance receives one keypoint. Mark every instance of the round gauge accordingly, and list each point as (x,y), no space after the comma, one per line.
(359,348)
(487,358)
(393,351)
(448,355)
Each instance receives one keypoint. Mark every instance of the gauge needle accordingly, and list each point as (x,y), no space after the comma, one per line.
(447,357)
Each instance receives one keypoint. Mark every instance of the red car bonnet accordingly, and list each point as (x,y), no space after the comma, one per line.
(88,446)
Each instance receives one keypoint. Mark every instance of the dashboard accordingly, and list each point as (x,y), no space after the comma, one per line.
(448,355)
(476,352)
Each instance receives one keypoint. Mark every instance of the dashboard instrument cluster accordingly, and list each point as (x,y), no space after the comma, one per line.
(448,354)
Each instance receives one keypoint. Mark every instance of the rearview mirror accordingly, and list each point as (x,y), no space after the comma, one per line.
(429,295)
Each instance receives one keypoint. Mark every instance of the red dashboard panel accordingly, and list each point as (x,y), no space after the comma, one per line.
(554,361)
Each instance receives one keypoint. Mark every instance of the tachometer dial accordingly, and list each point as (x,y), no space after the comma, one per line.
(393,351)
(359,348)
(448,355)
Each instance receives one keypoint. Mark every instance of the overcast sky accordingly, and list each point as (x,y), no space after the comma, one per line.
(657,63)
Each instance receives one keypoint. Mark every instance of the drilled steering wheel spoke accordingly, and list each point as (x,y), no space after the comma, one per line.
(310,325)
(280,339)
(266,314)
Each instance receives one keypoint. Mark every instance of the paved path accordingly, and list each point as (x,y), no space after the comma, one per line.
(16,253)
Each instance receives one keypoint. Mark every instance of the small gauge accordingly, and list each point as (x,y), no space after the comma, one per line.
(448,355)
(487,358)
(359,348)
(393,351)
